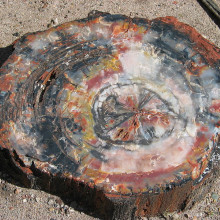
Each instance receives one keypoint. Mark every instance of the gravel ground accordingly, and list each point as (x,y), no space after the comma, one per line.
(19,203)
(19,17)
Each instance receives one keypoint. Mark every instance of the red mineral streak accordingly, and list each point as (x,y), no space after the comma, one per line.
(138,38)
(69,86)
(215,107)
(122,48)
(155,118)
(196,70)
(138,179)
(6,83)
(95,164)
(96,81)
(202,45)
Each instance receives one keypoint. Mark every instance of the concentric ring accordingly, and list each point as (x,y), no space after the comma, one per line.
(124,105)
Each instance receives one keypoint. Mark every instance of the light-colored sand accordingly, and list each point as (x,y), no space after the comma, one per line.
(18,17)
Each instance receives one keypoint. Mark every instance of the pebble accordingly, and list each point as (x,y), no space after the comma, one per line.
(175,216)
(67,211)
(16,34)
(186,216)
(215,196)
(61,211)
(73,210)
(52,23)
(37,199)
(5,188)
(55,205)
(66,207)
(55,21)
(199,214)
(59,202)
(17,191)
(24,200)
(51,209)
(50,201)
(32,195)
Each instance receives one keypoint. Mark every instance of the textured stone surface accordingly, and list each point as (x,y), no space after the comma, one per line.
(128,107)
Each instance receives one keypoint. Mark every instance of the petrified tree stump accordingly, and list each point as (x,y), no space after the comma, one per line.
(120,114)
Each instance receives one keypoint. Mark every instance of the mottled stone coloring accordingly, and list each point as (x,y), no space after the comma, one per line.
(128,107)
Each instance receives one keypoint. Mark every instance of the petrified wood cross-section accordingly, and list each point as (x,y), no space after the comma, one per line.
(122,114)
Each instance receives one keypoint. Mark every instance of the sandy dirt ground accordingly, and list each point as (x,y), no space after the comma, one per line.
(18,17)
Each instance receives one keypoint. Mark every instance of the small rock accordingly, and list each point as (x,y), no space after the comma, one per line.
(51,209)
(55,205)
(16,34)
(67,212)
(73,210)
(5,188)
(50,201)
(32,195)
(37,199)
(24,200)
(59,202)
(186,215)
(17,191)
(195,218)
(55,21)
(215,196)
(200,214)
(52,23)
(45,4)
(66,207)
(175,216)
(206,214)
(61,210)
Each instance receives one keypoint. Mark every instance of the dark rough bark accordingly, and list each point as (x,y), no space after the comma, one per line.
(94,201)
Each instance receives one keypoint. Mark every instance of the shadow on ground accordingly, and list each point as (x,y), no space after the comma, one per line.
(74,195)
(210,13)
(5,52)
